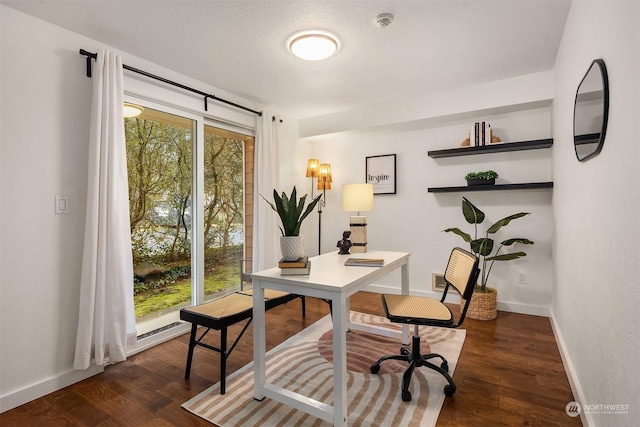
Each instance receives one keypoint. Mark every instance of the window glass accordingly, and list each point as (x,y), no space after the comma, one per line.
(228,193)
(159,163)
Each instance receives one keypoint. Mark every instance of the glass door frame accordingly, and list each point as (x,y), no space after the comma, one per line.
(197,206)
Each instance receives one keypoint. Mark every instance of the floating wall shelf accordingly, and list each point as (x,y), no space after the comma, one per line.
(502,147)
(536,144)
(497,187)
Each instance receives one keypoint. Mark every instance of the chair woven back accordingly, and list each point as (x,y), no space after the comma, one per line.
(462,272)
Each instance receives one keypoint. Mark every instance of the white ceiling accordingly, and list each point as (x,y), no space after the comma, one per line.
(240,45)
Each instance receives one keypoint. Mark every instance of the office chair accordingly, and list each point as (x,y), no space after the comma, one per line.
(461,274)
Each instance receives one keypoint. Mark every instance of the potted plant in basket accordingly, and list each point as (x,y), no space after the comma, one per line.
(291,212)
(483,302)
(481,178)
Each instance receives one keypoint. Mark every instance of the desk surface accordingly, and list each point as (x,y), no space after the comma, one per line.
(329,273)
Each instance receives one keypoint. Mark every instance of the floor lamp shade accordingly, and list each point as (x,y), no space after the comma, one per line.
(358,198)
(312,168)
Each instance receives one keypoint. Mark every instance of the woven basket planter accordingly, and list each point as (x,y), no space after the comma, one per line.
(483,305)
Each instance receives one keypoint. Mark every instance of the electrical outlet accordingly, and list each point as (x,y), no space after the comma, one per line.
(522,278)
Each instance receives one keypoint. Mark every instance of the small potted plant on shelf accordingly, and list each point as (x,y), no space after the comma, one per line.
(483,304)
(291,212)
(481,178)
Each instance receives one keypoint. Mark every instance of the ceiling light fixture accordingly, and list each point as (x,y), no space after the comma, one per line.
(313,46)
(132,110)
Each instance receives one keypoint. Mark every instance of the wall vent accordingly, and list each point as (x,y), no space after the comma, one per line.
(437,282)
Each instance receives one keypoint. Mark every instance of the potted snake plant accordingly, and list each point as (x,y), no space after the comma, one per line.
(483,304)
(292,212)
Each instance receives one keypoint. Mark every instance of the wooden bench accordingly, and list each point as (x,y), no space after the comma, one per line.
(222,313)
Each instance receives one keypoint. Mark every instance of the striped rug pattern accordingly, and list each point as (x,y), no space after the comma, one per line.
(303,364)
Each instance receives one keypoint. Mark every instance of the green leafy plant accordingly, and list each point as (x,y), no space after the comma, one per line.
(291,211)
(482,175)
(483,246)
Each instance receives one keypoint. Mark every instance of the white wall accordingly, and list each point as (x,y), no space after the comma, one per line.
(46,100)
(413,219)
(597,213)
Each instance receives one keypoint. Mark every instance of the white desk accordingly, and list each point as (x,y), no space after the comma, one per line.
(331,280)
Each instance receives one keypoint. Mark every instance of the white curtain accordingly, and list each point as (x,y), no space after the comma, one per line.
(266,246)
(106,322)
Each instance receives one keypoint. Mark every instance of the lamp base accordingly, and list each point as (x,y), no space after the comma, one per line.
(358,227)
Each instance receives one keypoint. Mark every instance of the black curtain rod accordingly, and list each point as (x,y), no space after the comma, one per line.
(90,56)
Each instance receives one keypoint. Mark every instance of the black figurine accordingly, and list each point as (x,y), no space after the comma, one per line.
(345,243)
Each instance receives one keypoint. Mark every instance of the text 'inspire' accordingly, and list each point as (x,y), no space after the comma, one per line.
(378,178)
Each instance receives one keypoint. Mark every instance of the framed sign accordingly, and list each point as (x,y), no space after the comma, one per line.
(381,172)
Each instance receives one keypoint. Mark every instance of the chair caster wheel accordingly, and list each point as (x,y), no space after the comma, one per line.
(375,369)
(449,390)
(406,396)
(445,366)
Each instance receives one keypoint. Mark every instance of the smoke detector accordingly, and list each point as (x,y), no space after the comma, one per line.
(384,20)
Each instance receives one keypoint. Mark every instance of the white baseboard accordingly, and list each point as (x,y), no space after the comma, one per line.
(534,310)
(574,383)
(35,391)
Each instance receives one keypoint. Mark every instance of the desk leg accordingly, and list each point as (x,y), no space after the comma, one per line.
(340,402)
(347,311)
(404,272)
(259,340)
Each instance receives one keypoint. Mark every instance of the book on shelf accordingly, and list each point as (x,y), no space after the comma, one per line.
(300,262)
(476,135)
(296,271)
(483,131)
(480,134)
(365,262)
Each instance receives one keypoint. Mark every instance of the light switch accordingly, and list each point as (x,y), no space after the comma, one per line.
(62,205)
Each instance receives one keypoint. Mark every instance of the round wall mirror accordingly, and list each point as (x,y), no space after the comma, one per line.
(591,111)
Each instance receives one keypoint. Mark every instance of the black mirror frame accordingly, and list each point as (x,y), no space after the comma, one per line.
(605,107)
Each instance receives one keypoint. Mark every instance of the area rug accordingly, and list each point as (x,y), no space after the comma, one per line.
(303,363)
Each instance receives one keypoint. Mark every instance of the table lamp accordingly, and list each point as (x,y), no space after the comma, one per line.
(357,198)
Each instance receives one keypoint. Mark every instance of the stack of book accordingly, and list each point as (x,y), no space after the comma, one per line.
(480,134)
(295,268)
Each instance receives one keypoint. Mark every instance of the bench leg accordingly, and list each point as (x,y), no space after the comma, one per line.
(192,345)
(223,359)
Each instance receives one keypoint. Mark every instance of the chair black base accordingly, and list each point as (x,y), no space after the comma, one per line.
(416,360)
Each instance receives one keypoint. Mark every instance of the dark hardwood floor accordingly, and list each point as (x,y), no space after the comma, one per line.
(509,374)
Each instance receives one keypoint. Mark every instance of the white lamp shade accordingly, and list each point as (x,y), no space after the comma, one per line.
(357,197)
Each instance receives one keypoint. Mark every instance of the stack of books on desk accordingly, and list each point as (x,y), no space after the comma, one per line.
(295,268)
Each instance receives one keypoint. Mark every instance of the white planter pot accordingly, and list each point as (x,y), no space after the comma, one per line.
(292,247)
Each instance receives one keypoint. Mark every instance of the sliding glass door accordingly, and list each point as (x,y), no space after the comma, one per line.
(191,212)
(228,193)
(159,162)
